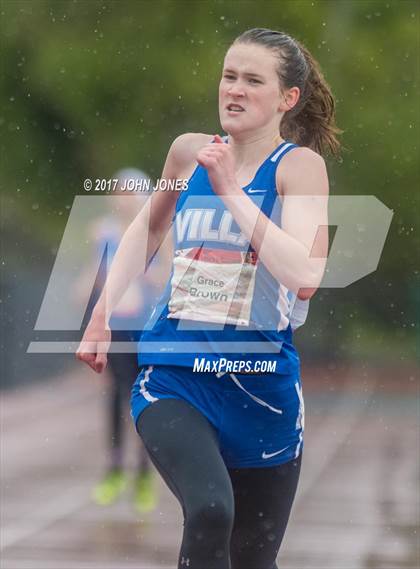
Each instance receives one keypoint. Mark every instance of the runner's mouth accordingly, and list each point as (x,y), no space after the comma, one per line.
(235,108)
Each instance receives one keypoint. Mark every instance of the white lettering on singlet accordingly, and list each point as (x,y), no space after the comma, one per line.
(196,224)
(210,234)
(182,222)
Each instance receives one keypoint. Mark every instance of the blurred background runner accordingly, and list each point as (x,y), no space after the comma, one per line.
(127,322)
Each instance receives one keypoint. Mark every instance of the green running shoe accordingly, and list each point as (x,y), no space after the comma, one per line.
(145,498)
(110,487)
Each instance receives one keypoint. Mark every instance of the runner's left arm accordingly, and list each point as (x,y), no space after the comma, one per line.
(295,254)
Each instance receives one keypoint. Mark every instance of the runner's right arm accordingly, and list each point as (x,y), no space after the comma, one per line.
(141,240)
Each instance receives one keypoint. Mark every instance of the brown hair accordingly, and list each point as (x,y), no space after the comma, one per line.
(312,121)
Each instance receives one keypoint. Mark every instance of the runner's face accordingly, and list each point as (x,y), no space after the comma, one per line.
(250,80)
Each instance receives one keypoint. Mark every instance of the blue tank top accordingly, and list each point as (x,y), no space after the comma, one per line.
(221,301)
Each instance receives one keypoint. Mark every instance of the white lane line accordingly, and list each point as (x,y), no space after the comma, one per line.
(77,564)
(58,509)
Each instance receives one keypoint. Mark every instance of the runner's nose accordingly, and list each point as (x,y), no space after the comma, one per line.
(236,90)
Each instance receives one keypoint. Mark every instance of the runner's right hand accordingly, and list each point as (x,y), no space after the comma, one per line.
(94,346)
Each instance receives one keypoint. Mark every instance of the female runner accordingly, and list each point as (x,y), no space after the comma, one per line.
(250,249)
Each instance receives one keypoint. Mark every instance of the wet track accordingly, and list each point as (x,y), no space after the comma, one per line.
(356,508)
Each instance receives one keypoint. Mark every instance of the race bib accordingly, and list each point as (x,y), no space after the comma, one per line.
(213,285)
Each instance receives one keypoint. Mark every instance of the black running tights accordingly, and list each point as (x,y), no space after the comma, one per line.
(233,518)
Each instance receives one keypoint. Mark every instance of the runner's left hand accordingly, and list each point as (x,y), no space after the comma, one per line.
(217,158)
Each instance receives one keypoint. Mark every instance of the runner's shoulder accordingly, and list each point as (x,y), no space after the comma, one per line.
(185,147)
(299,169)
(303,155)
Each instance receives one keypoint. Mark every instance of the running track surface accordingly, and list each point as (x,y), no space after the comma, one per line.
(357,504)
